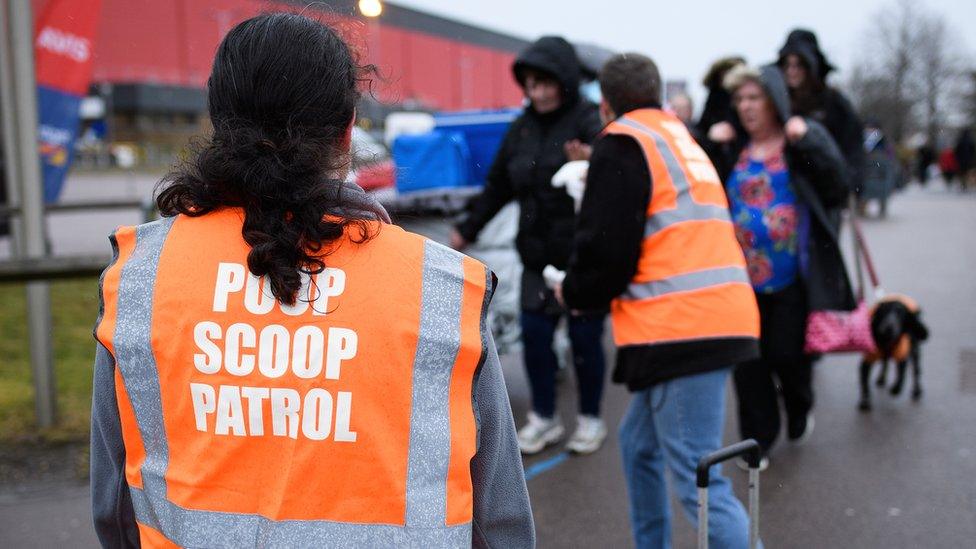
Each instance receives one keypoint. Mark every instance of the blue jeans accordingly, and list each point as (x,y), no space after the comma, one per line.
(675,423)
(586,337)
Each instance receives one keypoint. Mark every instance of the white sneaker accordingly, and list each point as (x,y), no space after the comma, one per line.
(589,435)
(538,433)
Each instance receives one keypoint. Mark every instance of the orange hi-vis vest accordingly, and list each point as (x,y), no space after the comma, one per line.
(691,281)
(346,419)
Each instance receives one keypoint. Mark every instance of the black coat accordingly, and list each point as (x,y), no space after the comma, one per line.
(530,154)
(819,175)
(965,151)
(837,114)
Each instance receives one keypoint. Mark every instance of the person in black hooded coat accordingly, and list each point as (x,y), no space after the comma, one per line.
(805,68)
(534,148)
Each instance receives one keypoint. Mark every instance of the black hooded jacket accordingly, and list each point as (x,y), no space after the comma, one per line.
(530,154)
(819,175)
(826,105)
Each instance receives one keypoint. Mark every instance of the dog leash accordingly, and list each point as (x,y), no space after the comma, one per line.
(861,252)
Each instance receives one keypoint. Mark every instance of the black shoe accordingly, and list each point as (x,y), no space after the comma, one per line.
(799,430)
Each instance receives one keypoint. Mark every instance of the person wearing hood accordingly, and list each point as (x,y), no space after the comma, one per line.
(556,126)
(787,182)
(806,68)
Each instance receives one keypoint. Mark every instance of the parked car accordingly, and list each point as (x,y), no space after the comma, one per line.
(372,166)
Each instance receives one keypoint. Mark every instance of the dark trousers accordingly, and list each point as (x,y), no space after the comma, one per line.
(783,325)
(586,337)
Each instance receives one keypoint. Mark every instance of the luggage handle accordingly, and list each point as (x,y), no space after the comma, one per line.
(750,450)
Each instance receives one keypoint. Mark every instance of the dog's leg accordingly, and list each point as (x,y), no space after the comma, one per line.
(900,379)
(883,375)
(916,372)
(865,403)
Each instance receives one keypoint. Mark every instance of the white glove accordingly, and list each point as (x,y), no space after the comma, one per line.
(553,276)
(572,176)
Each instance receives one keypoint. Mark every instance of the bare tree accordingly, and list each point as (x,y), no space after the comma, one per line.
(969,101)
(897,39)
(911,71)
(940,75)
(933,69)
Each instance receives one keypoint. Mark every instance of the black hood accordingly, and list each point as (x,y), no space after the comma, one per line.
(552,55)
(803,42)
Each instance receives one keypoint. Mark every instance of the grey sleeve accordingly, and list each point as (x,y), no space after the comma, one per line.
(502,514)
(112,511)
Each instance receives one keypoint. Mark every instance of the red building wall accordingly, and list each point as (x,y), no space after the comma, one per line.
(173,43)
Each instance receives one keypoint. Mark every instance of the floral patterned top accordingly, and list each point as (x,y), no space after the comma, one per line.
(767,217)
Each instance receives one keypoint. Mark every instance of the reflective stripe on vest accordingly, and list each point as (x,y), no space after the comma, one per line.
(691,282)
(688,209)
(438,501)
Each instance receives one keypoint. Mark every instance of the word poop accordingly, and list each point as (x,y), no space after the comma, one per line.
(273,352)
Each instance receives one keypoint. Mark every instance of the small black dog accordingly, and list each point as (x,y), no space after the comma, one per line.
(897,328)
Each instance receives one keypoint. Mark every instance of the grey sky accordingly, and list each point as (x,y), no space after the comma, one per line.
(684,36)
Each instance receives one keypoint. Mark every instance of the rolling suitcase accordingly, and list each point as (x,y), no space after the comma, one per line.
(749,449)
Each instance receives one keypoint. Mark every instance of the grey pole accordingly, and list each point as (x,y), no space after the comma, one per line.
(20,29)
(753,507)
(9,137)
(703,518)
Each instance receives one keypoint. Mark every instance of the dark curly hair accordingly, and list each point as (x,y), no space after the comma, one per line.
(281,96)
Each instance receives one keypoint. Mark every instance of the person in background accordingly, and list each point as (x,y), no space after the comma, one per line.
(923,158)
(682,107)
(662,252)
(882,169)
(965,153)
(557,126)
(277,364)
(788,179)
(718,106)
(948,165)
(805,68)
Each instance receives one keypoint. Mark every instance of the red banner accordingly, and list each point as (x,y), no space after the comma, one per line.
(64,44)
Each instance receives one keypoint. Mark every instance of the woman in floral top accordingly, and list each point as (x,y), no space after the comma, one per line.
(787,184)
(768,217)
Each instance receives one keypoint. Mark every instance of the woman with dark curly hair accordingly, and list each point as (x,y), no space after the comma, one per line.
(276,364)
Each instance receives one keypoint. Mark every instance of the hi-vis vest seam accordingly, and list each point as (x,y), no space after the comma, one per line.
(429,440)
(687,210)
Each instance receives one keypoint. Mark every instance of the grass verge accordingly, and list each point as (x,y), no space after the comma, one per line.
(73,310)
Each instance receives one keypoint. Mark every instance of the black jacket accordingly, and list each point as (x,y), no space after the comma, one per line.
(965,151)
(828,106)
(718,108)
(609,236)
(820,178)
(530,154)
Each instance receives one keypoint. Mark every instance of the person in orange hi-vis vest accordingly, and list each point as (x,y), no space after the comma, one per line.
(279,366)
(655,241)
